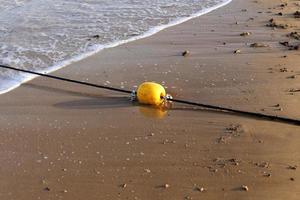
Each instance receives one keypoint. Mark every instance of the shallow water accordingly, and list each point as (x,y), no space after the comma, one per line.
(49,34)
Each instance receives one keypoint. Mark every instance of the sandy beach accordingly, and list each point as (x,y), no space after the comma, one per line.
(64,141)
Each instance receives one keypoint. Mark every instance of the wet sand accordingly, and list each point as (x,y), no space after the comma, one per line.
(64,141)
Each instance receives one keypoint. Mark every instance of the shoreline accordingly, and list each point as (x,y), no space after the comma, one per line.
(98,48)
(59,140)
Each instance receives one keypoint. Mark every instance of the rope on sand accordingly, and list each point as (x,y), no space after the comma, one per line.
(167,97)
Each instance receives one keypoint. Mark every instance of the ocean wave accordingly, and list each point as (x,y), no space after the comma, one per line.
(47,35)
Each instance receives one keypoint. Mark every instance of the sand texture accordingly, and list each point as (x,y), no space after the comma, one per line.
(64,141)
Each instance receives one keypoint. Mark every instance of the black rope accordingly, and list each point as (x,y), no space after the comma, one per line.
(67,80)
(253,114)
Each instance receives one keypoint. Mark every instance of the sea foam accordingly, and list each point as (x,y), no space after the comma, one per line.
(47,35)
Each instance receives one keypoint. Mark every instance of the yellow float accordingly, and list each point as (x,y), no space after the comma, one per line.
(151,93)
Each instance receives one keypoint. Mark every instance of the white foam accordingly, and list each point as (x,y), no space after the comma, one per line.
(98,48)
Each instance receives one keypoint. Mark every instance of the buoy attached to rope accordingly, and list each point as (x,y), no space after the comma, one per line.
(151,93)
(155,94)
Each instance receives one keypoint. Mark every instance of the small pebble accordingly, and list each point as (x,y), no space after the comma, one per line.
(258,45)
(200,189)
(245,34)
(151,134)
(96,36)
(147,170)
(292,77)
(267,175)
(283,70)
(245,187)
(185,53)
(237,51)
(292,167)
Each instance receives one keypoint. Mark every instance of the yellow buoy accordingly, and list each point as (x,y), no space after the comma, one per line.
(151,93)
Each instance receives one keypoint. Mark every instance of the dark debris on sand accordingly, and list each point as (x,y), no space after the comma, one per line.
(258,45)
(297,14)
(185,53)
(294,35)
(290,46)
(272,23)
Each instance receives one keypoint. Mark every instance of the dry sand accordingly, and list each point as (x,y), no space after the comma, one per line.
(64,141)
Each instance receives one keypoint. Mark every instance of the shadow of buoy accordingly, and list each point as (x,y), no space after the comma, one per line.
(96,103)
